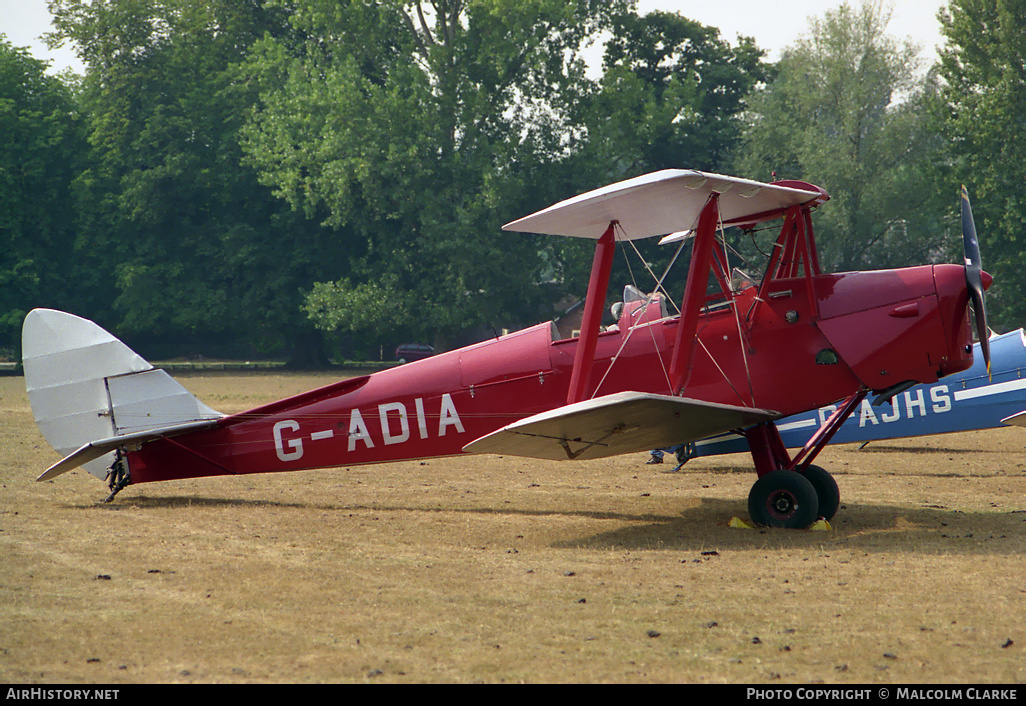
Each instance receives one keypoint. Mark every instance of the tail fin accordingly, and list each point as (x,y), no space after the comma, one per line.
(91,394)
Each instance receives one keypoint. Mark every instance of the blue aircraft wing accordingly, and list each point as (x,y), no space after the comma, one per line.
(962,402)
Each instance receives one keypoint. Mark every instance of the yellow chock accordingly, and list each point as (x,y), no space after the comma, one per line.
(738,523)
(820,524)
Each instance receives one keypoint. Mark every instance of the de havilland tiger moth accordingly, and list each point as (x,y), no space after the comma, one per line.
(738,357)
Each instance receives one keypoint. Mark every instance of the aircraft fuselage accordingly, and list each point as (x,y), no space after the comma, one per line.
(796,350)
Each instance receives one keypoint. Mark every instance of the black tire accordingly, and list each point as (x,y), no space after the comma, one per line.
(826,490)
(783,499)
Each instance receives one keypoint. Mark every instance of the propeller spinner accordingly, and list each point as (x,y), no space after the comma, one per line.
(973,276)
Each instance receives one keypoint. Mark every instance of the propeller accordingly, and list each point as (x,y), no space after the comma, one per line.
(973,276)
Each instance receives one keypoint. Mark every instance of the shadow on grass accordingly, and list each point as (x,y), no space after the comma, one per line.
(870,528)
(882,448)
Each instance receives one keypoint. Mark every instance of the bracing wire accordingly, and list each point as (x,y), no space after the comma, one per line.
(737,315)
(659,289)
(649,298)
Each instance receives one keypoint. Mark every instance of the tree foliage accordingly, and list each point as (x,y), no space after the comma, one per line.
(848,111)
(421,127)
(984,68)
(199,249)
(41,141)
(671,95)
(258,171)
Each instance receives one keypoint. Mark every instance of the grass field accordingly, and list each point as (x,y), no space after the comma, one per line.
(497,569)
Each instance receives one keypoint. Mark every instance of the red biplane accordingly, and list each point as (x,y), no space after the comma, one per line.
(737,357)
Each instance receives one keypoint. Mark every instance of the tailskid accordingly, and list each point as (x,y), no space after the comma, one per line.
(118,477)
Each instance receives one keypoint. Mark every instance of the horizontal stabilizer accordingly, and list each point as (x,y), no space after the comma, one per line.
(625,422)
(1016,420)
(95,449)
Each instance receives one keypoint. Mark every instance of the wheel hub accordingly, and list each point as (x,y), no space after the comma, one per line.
(782,504)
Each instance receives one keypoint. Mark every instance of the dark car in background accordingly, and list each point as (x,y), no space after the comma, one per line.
(409,352)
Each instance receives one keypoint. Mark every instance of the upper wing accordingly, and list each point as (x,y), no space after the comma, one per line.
(663,202)
(616,424)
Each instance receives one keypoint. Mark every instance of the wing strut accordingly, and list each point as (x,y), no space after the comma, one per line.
(793,253)
(694,292)
(594,305)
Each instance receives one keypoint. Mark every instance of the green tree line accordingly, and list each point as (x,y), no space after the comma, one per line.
(263,177)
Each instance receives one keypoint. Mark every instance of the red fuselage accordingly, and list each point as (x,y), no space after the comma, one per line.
(792,351)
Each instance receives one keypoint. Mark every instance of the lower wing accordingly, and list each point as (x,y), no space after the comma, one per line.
(621,423)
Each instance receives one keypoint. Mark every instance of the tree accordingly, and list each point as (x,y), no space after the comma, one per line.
(848,111)
(671,95)
(420,127)
(41,145)
(199,249)
(984,68)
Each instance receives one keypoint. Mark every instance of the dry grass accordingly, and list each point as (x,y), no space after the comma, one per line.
(485,569)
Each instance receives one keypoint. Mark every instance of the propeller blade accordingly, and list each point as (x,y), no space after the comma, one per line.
(973,277)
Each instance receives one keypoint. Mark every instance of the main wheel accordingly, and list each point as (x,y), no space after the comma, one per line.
(826,490)
(783,499)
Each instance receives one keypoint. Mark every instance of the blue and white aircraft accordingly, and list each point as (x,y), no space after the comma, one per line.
(962,402)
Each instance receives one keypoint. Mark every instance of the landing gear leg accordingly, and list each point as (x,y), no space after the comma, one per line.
(779,500)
